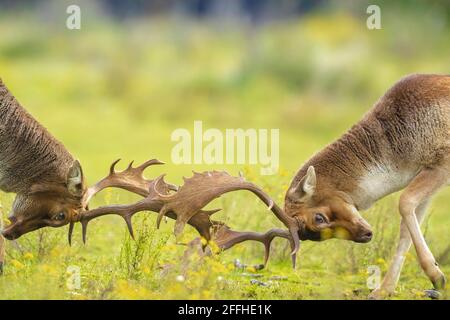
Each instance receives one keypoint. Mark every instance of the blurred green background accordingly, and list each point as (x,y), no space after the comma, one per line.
(138,70)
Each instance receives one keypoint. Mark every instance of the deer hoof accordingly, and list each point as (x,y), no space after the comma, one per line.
(379,294)
(439,283)
(1,268)
(433,294)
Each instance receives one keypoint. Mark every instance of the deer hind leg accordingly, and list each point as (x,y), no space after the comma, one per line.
(424,185)
(392,276)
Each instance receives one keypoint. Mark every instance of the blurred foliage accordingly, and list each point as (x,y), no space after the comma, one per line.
(116,90)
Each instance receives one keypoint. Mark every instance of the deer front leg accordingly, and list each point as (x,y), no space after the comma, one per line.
(2,253)
(392,276)
(424,185)
(2,244)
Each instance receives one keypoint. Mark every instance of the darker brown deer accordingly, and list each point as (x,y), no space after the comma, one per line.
(402,143)
(47,180)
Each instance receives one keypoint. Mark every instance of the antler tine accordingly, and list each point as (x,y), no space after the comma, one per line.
(125,211)
(226,238)
(130,179)
(69,235)
(289,222)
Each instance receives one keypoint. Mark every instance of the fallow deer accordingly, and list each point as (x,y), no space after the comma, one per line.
(403,142)
(47,180)
(51,191)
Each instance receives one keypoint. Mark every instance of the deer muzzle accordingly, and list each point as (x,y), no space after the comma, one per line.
(19,227)
(11,232)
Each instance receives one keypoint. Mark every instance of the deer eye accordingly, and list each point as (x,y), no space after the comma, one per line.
(319,218)
(60,216)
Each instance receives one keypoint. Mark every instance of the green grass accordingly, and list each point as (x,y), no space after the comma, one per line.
(118,91)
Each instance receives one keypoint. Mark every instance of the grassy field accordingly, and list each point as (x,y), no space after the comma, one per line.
(117,90)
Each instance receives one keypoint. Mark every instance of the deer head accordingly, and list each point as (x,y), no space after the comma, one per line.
(54,203)
(324,212)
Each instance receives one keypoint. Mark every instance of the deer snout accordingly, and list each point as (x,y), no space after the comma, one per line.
(362,232)
(11,233)
(364,235)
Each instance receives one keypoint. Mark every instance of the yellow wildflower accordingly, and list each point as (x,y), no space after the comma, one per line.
(17,264)
(28,256)
(251,269)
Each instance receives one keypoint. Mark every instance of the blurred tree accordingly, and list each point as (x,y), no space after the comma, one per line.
(256,10)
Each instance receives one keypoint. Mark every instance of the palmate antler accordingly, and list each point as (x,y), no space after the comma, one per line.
(185,205)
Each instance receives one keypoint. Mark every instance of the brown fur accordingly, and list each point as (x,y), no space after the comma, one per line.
(401,141)
(38,168)
(408,126)
(28,152)
(2,243)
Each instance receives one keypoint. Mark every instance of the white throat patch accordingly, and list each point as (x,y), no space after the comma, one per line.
(381,181)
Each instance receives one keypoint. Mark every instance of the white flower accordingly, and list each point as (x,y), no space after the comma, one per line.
(180,278)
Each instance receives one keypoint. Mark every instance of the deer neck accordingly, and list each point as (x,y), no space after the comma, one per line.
(362,165)
(28,152)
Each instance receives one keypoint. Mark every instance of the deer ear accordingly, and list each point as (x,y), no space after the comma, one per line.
(306,186)
(75,179)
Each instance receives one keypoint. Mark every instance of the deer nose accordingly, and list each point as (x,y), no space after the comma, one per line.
(366,236)
(9,234)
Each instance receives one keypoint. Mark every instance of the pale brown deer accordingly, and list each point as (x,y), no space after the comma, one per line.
(403,142)
(50,187)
